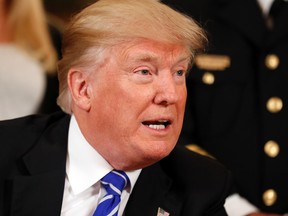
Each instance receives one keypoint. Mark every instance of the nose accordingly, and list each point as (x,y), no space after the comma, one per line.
(166,91)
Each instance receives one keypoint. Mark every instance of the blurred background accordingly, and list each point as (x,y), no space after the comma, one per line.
(63,9)
(30,46)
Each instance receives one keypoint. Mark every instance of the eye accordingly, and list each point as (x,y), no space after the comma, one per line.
(143,75)
(143,72)
(180,72)
(180,76)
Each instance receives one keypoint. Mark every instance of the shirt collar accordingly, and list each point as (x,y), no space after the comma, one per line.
(265,5)
(85,166)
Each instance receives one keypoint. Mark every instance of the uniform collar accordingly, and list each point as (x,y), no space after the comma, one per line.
(265,5)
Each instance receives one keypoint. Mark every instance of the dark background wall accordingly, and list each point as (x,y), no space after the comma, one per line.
(63,9)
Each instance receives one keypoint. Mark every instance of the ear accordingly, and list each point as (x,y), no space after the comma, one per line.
(79,85)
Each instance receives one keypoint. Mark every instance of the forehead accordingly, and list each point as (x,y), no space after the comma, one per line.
(149,50)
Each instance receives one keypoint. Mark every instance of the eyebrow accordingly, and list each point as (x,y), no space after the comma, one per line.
(154,58)
(145,57)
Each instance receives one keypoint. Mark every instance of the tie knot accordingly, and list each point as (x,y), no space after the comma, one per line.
(115,181)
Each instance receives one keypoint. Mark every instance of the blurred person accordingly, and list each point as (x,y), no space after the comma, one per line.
(28,57)
(22,83)
(237,98)
(122,83)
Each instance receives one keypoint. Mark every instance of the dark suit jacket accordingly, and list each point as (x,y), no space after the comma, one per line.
(228,117)
(32,166)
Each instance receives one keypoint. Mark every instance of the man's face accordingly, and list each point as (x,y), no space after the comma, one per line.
(137,103)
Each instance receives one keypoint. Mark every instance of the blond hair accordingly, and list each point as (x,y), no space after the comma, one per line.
(110,22)
(27,21)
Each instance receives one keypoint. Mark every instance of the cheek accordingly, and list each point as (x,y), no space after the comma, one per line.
(181,108)
(130,98)
(121,105)
(182,100)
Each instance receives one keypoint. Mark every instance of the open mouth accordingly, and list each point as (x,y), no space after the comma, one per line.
(157,125)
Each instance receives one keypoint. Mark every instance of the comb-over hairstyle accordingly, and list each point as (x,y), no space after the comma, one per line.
(110,22)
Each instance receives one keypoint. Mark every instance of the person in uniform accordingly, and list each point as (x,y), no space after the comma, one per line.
(238,97)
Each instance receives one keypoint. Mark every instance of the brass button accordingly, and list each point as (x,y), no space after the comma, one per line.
(272,61)
(274,104)
(208,78)
(269,197)
(271,148)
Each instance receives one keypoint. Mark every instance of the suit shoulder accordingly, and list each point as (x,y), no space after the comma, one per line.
(188,166)
(31,121)
(25,130)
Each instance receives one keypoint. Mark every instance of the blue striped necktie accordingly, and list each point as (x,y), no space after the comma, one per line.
(114,183)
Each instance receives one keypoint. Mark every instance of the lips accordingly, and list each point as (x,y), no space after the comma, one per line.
(157,124)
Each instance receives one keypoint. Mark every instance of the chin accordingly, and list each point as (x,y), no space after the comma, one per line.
(160,153)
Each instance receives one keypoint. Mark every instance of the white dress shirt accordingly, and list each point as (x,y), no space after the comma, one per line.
(84,169)
(236,205)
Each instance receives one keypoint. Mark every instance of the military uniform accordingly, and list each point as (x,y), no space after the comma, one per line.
(237,107)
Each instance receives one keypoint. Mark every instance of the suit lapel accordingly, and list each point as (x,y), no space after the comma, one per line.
(152,191)
(37,195)
(43,187)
